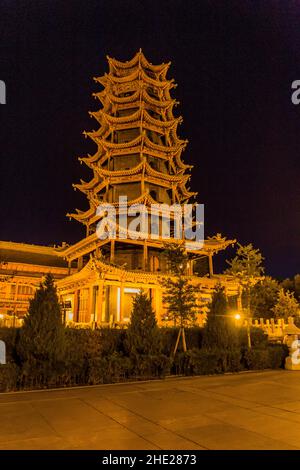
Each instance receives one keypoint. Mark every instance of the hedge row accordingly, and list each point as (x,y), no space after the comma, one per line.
(88,371)
(106,341)
(100,356)
(201,361)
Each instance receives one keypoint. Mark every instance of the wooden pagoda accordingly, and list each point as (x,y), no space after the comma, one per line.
(139,155)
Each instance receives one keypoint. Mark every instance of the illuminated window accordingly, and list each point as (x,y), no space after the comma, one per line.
(25,290)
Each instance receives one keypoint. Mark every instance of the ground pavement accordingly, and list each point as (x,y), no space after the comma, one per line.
(258,410)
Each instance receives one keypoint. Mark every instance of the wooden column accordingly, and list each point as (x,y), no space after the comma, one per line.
(112,251)
(99,302)
(88,315)
(121,302)
(75,309)
(80,263)
(16,292)
(8,291)
(145,256)
(158,303)
(210,264)
(191,267)
(95,294)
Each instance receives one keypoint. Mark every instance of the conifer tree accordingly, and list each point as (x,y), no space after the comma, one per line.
(292,285)
(179,293)
(143,335)
(247,268)
(219,331)
(264,296)
(42,334)
(286,306)
(180,299)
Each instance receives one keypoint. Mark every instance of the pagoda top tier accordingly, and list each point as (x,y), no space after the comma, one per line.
(139,61)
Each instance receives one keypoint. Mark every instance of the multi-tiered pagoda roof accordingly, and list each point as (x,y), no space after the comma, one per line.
(139,153)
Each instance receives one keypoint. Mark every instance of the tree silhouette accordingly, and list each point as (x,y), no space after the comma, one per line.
(42,334)
(179,293)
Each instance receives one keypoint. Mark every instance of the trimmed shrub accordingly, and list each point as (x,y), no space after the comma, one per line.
(271,357)
(219,332)
(11,337)
(111,340)
(98,356)
(149,366)
(119,368)
(144,341)
(9,374)
(143,335)
(81,347)
(42,337)
(258,338)
(169,335)
(256,358)
(89,353)
(109,369)
(180,363)
(207,361)
(277,355)
(233,361)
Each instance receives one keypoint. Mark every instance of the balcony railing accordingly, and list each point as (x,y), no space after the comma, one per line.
(9,321)
(16,298)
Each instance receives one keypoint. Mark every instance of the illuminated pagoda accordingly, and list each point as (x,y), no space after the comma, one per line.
(138,156)
(139,152)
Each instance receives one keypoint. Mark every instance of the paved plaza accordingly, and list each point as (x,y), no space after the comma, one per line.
(258,410)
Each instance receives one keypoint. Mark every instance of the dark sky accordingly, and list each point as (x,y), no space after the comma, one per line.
(234,62)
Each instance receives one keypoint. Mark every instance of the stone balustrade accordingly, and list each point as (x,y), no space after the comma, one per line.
(273,328)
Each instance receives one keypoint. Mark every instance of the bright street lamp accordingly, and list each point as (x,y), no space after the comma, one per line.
(237,317)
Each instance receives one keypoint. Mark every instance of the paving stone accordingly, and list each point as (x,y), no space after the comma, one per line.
(239,411)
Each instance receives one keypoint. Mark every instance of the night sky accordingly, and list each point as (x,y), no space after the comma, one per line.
(234,62)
